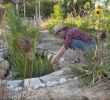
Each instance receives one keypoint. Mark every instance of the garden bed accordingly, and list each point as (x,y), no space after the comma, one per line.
(50,80)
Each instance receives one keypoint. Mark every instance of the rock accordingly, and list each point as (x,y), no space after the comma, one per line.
(4,66)
(36,86)
(51,83)
(3,49)
(42,85)
(2,81)
(50,78)
(18,89)
(10,75)
(3,54)
(76,78)
(29,89)
(32,82)
(2,73)
(65,72)
(11,88)
(14,83)
(62,80)
(57,75)
(28,83)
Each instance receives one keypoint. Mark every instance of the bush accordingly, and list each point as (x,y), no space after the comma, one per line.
(22,43)
(30,9)
(45,7)
(78,5)
(57,14)
(97,68)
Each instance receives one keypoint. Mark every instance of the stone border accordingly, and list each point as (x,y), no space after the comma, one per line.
(58,77)
(55,78)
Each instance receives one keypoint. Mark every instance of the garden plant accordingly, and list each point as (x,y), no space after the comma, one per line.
(23,47)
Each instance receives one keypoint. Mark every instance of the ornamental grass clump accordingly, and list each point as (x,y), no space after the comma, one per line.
(98,63)
(23,47)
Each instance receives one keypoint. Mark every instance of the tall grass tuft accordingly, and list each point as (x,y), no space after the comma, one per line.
(97,68)
(22,43)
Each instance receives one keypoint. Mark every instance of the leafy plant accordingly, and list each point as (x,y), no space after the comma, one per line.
(58,14)
(22,43)
(78,5)
(51,23)
(97,68)
(46,8)
(69,21)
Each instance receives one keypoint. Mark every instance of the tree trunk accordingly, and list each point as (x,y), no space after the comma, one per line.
(17,6)
(39,8)
(36,14)
(24,5)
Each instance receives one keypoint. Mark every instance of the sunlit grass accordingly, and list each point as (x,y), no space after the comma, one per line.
(19,39)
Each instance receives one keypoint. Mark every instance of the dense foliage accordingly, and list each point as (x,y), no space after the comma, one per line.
(45,8)
(22,43)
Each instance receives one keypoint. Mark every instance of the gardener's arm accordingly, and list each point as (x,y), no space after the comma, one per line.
(56,58)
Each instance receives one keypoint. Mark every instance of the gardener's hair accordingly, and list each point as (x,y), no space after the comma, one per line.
(62,29)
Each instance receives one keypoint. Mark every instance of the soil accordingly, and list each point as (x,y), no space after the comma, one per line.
(67,91)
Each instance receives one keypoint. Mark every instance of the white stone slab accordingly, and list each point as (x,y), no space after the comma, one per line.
(50,78)
(57,75)
(28,83)
(14,84)
(32,82)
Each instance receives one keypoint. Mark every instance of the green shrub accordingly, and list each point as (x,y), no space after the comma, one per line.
(22,43)
(46,8)
(78,5)
(97,68)
(29,8)
(69,21)
(51,23)
(57,14)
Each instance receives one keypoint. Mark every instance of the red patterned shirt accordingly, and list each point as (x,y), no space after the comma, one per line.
(75,33)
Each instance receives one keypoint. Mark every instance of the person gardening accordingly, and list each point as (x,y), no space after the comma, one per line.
(74,38)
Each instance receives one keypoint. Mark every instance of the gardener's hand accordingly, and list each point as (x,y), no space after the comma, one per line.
(56,58)
(55,63)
